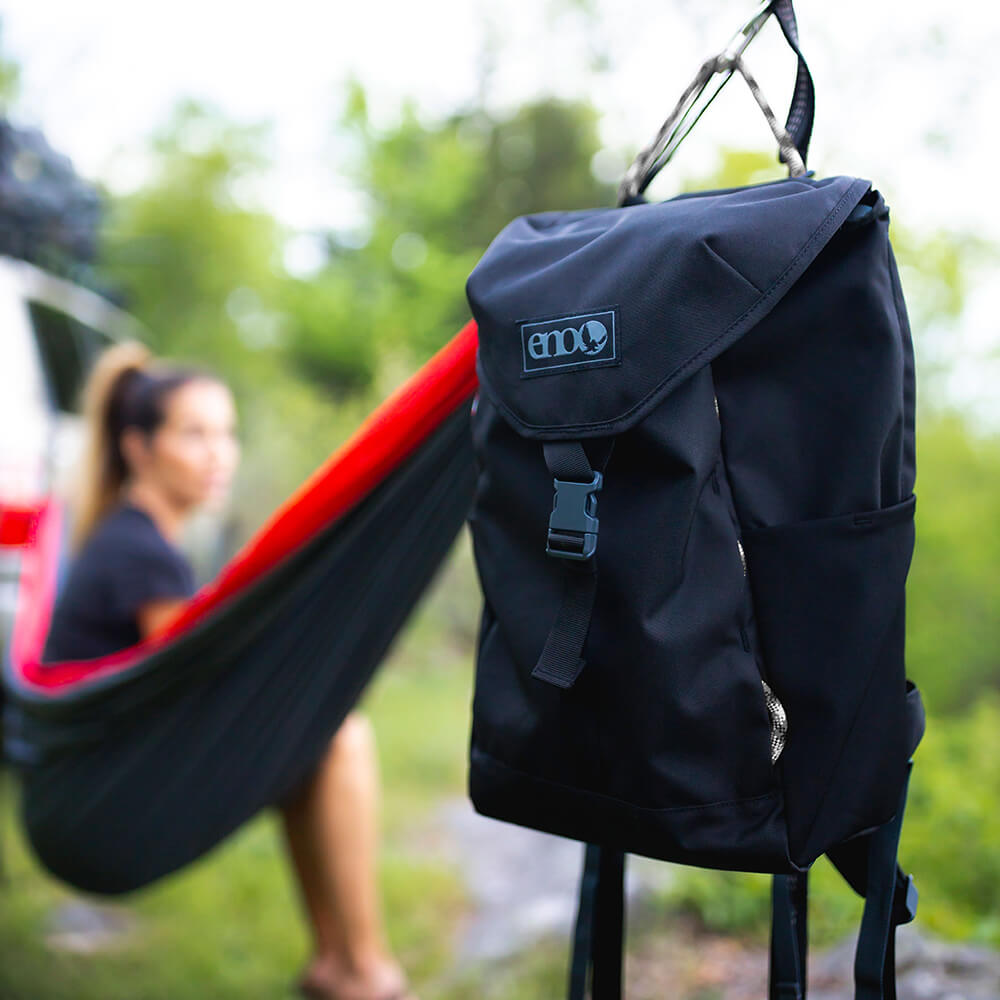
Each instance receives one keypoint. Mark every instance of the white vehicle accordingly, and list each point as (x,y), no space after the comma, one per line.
(50,329)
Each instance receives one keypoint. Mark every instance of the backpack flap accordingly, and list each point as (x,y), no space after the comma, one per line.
(630,301)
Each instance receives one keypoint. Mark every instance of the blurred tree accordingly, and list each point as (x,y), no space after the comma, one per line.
(202,265)
(10,76)
(196,260)
(436,196)
(736,168)
(953,628)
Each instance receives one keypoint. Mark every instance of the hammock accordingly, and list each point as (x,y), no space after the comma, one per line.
(135,764)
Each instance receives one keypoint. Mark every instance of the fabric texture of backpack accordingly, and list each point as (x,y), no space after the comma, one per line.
(693,523)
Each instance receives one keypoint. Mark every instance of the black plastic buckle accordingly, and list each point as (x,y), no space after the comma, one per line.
(573,522)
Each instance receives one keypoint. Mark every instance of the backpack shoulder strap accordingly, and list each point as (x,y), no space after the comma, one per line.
(869,862)
(789,936)
(869,865)
(599,937)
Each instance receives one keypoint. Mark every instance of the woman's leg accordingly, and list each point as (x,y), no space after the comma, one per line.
(331,829)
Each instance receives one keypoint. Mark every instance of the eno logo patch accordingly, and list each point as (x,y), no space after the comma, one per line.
(569,343)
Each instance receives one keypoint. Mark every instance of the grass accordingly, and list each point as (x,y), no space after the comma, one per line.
(229,926)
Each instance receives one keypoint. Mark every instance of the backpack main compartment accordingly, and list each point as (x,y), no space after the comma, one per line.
(738,365)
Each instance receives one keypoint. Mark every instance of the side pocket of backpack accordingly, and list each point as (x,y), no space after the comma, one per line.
(829,603)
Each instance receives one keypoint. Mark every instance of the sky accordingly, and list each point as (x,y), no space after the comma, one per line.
(907,93)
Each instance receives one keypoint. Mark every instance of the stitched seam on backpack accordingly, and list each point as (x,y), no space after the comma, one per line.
(631,805)
(817,235)
(731,267)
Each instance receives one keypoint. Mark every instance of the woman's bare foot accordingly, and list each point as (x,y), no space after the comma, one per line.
(325,978)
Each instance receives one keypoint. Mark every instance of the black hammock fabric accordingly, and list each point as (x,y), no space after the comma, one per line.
(134,775)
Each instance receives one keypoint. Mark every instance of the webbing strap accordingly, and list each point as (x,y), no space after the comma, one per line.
(789,936)
(868,864)
(568,460)
(799,123)
(875,959)
(561,660)
(599,936)
(583,933)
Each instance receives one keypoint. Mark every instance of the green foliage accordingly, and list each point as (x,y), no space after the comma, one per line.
(935,271)
(737,168)
(437,195)
(953,593)
(203,267)
(728,902)
(195,262)
(326,344)
(952,826)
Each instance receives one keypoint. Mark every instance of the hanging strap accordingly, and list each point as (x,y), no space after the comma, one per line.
(793,138)
(789,936)
(599,936)
(801,112)
(572,539)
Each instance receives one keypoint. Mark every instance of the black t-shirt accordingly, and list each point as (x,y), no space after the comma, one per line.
(124,564)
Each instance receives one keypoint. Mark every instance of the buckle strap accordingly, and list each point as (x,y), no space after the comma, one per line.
(560,662)
(572,538)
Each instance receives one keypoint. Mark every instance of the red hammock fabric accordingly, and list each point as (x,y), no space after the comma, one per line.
(389,434)
(19,526)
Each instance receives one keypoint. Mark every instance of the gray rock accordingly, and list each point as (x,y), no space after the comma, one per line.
(523,883)
(83,927)
(927,968)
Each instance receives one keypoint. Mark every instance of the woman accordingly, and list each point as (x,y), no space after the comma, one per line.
(162,444)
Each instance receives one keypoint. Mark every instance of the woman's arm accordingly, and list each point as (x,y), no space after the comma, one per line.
(154,616)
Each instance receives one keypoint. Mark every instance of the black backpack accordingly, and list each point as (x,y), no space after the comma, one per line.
(692,526)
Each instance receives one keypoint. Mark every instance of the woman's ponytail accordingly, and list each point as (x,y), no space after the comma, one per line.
(104,470)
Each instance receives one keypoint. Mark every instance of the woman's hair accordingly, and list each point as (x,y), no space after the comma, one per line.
(126,388)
